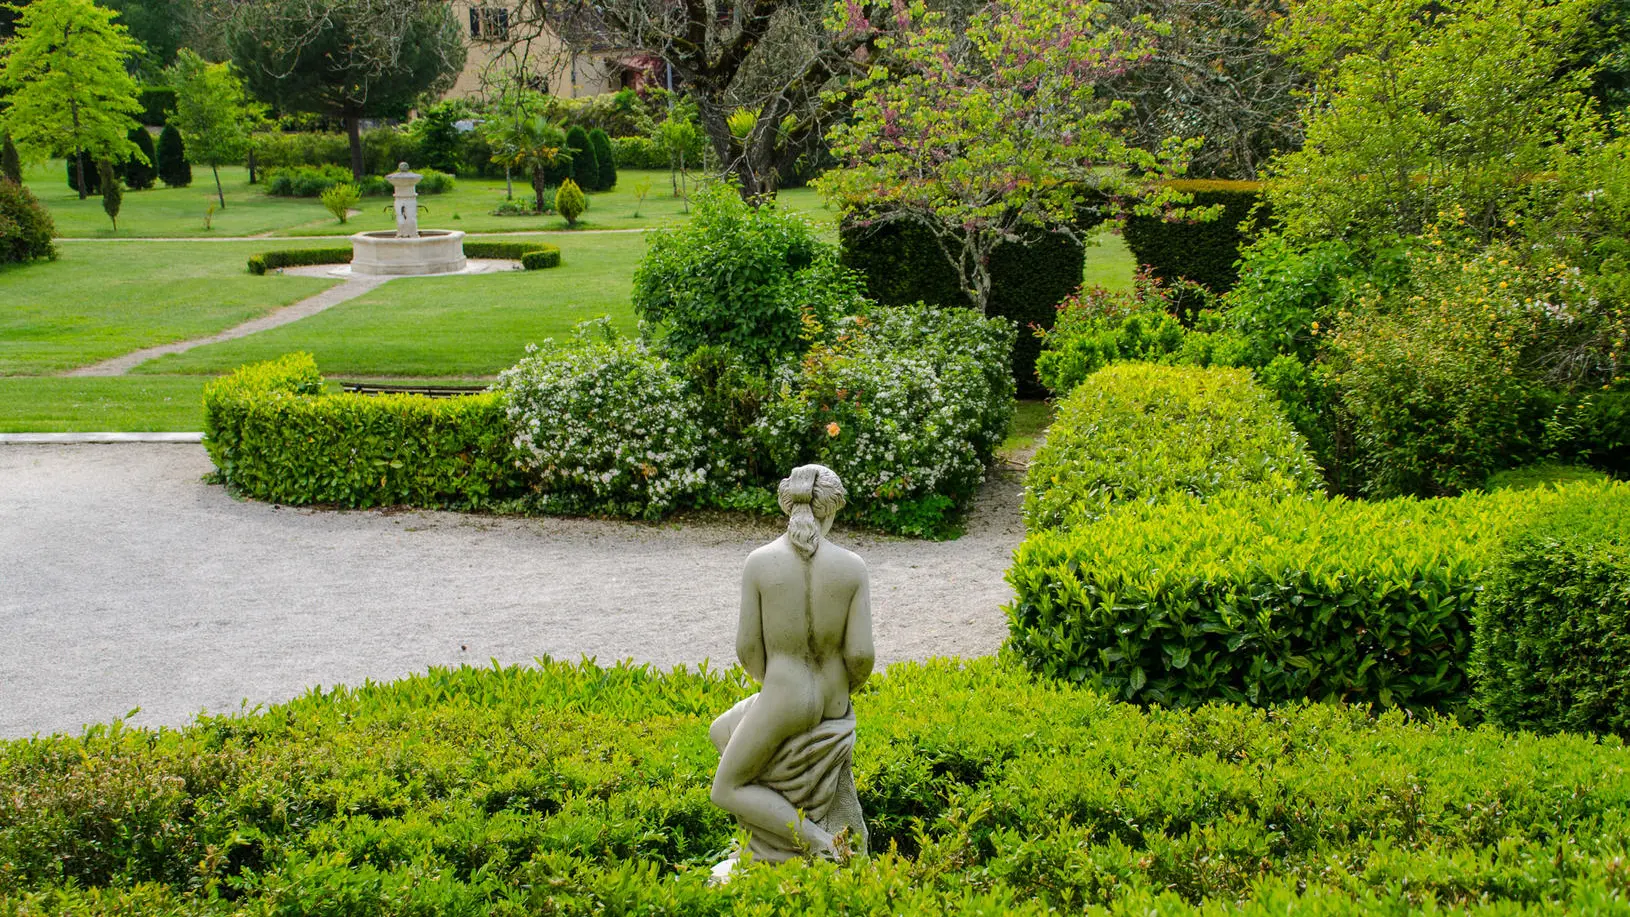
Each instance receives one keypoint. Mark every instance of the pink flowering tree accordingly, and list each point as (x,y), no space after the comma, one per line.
(988,134)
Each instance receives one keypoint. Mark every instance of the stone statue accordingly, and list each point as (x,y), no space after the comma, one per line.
(805,634)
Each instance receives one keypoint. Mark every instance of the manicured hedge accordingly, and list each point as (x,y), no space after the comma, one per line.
(1553,627)
(571,790)
(297,257)
(1142,433)
(532,255)
(642,153)
(902,264)
(1203,252)
(275,437)
(1250,598)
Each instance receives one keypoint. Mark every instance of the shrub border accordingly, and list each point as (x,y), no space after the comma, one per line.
(533,256)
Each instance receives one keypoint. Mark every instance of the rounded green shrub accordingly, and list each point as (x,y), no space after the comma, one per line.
(1144,433)
(758,280)
(92,175)
(26,228)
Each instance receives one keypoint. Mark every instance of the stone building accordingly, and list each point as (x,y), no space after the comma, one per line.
(567,61)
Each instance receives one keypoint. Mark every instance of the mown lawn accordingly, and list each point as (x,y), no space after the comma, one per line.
(180,212)
(101,300)
(125,404)
(446,326)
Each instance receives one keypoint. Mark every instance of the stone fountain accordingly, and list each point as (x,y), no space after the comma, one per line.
(408,250)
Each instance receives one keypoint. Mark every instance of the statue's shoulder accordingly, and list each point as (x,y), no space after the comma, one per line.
(845,558)
(767,553)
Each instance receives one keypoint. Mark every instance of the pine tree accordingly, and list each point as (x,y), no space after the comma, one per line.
(112,195)
(70,89)
(603,157)
(11,166)
(585,170)
(173,166)
(140,175)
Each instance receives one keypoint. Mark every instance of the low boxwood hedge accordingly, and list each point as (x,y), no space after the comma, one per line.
(1250,598)
(274,436)
(1140,432)
(532,255)
(297,257)
(1204,252)
(568,789)
(1552,648)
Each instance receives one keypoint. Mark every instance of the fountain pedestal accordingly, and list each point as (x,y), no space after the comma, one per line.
(408,250)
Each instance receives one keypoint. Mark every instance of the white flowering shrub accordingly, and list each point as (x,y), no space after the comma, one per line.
(907,405)
(605,427)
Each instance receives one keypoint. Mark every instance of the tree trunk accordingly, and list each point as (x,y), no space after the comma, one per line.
(353,127)
(79,167)
(252,167)
(219,194)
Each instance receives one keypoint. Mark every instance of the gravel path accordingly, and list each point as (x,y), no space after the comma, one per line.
(127,582)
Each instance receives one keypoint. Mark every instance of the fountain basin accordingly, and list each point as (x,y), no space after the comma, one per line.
(385,254)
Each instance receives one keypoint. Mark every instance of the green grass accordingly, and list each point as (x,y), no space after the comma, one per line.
(1030,422)
(99,301)
(35,404)
(445,326)
(163,212)
(1109,262)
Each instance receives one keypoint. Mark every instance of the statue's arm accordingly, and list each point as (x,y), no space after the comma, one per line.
(858,652)
(750,628)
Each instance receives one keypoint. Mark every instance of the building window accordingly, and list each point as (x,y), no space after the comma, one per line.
(489,23)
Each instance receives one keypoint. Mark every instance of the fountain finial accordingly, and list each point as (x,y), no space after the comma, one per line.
(407,201)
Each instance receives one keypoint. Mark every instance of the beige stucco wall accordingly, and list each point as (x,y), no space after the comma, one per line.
(559,71)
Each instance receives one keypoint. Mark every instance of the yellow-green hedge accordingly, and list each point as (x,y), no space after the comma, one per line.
(275,436)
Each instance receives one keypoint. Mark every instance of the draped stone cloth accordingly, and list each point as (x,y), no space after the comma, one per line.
(812,771)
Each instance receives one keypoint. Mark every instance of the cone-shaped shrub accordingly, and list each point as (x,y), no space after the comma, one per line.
(113,195)
(11,165)
(93,181)
(139,175)
(585,169)
(604,159)
(173,166)
(570,201)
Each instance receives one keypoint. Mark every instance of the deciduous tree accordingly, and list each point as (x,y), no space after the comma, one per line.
(70,91)
(989,133)
(346,59)
(213,112)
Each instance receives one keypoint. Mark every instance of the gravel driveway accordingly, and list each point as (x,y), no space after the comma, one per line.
(126,582)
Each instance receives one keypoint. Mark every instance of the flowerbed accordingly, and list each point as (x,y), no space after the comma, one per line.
(573,790)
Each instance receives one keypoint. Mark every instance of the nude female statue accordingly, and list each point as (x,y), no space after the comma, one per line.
(805,634)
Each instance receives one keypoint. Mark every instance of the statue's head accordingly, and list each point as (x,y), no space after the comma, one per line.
(810,497)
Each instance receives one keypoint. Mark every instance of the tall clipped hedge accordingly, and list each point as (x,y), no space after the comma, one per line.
(157,104)
(1553,626)
(1203,252)
(1260,599)
(275,436)
(1142,433)
(902,264)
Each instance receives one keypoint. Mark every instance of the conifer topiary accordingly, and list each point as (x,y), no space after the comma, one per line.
(603,157)
(93,178)
(570,201)
(139,175)
(585,169)
(11,165)
(173,166)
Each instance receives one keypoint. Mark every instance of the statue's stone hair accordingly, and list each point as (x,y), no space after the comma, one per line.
(809,496)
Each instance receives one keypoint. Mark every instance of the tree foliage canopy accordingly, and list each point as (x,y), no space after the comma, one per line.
(65,69)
